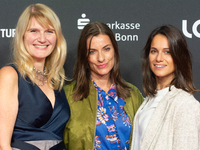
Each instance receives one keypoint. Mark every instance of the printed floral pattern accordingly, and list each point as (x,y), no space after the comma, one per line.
(97,143)
(113,125)
(102,116)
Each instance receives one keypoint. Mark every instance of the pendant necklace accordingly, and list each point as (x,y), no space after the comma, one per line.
(40,76)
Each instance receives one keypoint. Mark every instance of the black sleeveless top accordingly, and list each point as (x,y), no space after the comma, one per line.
(36,119)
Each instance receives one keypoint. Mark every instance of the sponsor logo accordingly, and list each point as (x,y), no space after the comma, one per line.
(194,29)
(82,22)
(124,26)
(119,36)
(7,33)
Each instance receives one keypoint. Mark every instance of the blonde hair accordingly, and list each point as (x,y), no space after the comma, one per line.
(54,62)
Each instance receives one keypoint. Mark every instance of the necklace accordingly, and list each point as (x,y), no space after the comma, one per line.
(40,76)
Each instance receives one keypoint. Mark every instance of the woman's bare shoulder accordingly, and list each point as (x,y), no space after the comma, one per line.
(8,74)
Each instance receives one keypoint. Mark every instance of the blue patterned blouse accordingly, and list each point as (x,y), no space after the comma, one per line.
(113,126)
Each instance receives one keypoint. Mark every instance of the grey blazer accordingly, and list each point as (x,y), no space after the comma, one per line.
(174,125)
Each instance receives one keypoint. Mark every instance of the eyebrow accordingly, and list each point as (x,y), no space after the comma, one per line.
(103,47)
(156,48)
(51,29)
(107,45)
(38,29)
(32,29)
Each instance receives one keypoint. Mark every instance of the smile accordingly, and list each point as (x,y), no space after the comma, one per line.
(41,46)
(159,66)
(102,66)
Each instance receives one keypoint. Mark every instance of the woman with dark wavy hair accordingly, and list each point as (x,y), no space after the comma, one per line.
(102,104)
(169,118)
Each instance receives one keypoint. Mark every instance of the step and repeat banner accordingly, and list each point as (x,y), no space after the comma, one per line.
(130,20)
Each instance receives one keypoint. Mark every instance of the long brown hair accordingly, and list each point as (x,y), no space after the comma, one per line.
(82,69)
(180,55)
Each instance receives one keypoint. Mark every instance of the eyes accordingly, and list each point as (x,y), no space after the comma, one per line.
(154,51)
(32,30)
(93,51)
(48,31)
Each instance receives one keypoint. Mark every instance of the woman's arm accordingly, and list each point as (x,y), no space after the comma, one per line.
(8,105)
(187,126)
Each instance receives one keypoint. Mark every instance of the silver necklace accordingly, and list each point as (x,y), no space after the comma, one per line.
(40,76)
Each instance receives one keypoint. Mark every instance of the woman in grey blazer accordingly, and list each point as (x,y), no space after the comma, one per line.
(169,118)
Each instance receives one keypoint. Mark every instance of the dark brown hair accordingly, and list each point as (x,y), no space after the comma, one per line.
(82,69)
(181,57)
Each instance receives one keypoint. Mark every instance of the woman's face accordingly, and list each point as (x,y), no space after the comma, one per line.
(39,42)
(101,56)
(160,59)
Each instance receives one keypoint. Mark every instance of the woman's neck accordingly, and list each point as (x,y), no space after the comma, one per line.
(102,82)
(164,81)
(39,65)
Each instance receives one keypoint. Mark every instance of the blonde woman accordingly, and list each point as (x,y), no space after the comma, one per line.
(33,105)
